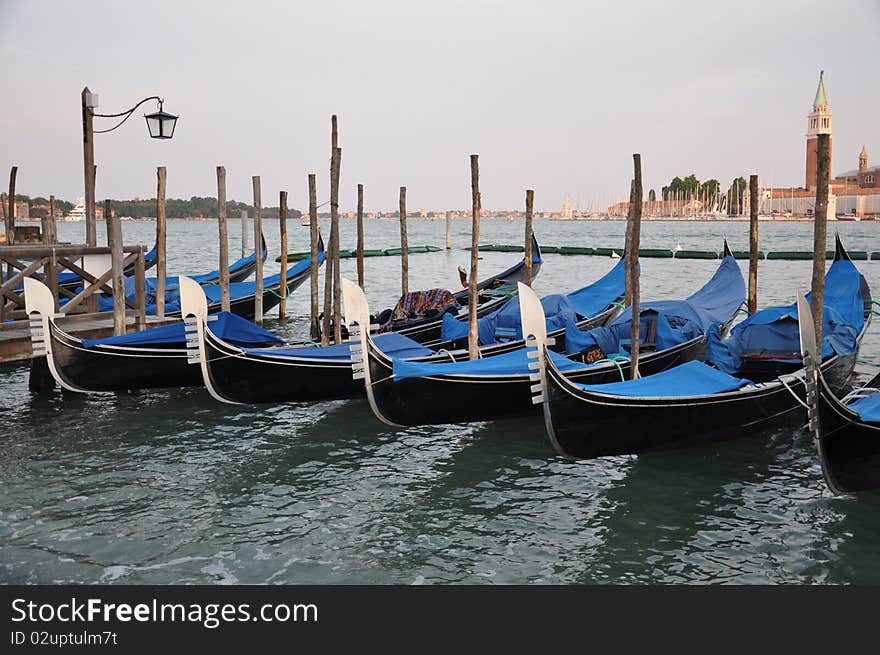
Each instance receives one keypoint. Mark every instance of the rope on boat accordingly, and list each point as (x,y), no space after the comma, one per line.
(616,359)
(793,394)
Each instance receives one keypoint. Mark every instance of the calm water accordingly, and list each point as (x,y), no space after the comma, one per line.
(173,487)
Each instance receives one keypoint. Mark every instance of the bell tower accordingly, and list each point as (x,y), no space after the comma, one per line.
(818,122)
(863,160)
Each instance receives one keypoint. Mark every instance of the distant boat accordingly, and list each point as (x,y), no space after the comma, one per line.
(78,213)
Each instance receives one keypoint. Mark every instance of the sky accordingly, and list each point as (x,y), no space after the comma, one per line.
(553,95)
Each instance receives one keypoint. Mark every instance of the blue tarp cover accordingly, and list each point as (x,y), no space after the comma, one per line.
(774,330)
(512,363)
(212,291)
(558,310)
(690,379)
(677,320)
(390,343)
(228,326)
(868,408)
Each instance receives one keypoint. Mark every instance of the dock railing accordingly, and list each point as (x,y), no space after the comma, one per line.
(80,297)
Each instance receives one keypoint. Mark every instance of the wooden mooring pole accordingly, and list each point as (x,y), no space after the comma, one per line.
(334,221)
(360,236)
(258,247)
(530,206)
(820,219)
(160,242)
(244,233)
(114,241)
(224,237)
(473,336)
(10,211)
(89,166)
(50,227)
(753,244)
(449,230)
(632,256)
(282,224)
(313,267)
(404,245)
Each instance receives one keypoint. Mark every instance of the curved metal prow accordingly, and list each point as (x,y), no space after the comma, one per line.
(357,318)
(38,299)
(194,310)
(534,327)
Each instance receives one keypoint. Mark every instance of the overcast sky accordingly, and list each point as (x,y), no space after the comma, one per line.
(553,95)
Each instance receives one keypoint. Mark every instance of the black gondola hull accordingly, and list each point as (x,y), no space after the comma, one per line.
(586,425)
(467,399)
(238,377)
(104,368)
(849,448)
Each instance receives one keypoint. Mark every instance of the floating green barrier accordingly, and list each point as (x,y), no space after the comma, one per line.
(346,254)
(510,248)
(875,255)
(858,255)
(575,250)
(791,255)
(294,256)
(696,254)
(655,252)
(550,249)
(607,252)
(744,254)
(374,253)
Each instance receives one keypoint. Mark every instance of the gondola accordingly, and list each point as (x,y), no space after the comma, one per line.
(298,372)
(407,393)
(493,293)
(697,401)
(156,357)
(846,431)
(242,295)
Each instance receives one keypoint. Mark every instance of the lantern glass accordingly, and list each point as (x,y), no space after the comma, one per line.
(161,124)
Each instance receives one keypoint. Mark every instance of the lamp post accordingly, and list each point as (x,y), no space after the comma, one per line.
(160,125)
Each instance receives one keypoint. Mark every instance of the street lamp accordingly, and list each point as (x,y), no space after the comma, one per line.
(160,124)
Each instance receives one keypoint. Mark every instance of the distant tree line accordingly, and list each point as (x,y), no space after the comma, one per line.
(195,207)
(690,186)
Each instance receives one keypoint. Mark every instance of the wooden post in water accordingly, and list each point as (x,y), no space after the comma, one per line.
(449,230)
(50,227)
(89,166)
(530,206)
(334,218)
(473,337)
(313,267)
(244,233)
(258,233)
(140,292)
(404,245)
(114,241)
(224,237)
(282,224)
(10,204)
(632,256)
(360,236)
(160,242)
(627,280)
(820,219)
(753,244)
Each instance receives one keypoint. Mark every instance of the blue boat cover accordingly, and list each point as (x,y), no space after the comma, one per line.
(212,291)
(774,330)
(228,327)
(558,310)
(677,321)
(390,343)
(690,379)
(868,408)
(511,363)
